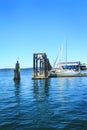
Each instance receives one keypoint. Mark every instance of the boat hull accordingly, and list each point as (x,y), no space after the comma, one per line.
(67,73)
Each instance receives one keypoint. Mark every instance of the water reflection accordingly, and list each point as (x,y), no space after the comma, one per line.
(17,83)
(41,88)
(17,91)
(41,94)
(65,83)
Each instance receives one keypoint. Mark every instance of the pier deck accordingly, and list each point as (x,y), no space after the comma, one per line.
(40,77)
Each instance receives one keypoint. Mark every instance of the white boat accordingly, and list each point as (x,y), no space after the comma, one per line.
(66,69)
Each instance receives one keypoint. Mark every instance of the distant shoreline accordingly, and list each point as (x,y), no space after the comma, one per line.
(7,69)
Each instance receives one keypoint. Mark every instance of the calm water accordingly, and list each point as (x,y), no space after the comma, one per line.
(56,103)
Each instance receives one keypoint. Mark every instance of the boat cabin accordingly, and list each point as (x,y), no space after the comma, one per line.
(73,65)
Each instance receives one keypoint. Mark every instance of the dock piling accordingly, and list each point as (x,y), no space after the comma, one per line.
(17,71)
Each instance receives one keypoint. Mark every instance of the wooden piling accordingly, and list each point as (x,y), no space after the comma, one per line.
(17,71)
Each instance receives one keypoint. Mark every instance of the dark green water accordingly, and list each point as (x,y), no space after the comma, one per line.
(53,104)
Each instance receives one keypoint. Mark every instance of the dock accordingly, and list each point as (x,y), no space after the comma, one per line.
(41,66)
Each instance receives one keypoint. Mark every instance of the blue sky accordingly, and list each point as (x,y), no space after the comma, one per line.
(32,26)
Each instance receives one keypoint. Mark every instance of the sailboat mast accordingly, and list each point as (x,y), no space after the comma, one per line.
(66,51)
